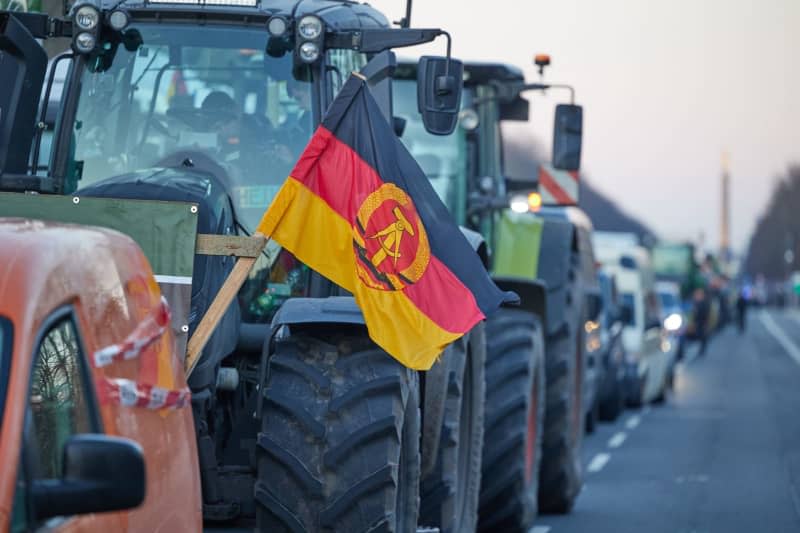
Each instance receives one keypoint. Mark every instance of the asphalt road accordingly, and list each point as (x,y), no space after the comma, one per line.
(722,455)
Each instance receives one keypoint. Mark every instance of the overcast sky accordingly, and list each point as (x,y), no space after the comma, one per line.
(666,87)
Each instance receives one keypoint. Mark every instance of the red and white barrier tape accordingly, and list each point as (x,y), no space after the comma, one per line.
(146,332)
(128,393)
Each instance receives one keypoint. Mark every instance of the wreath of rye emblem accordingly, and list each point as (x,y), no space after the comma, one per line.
(389,240)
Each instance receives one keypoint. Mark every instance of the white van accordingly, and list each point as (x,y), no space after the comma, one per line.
(649,354)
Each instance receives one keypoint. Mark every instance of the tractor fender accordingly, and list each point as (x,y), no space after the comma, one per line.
(331,310)
(533,294)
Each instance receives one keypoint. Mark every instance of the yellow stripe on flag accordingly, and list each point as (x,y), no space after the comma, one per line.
(294,220)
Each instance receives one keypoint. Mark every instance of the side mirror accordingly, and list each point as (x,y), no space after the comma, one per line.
(439,93)
(101,473)
(626,315)
(567,137)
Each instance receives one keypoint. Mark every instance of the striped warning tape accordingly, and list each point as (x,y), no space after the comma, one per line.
(128,393)
(143,335)
(558,187)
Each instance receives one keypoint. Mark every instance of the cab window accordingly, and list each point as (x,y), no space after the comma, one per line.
(341,63)
(59,402)
(60,405)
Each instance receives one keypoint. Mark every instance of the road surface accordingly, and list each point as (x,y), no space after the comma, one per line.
(723,454)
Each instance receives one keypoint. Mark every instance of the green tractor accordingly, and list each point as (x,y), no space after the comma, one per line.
(202,108)
(535,364)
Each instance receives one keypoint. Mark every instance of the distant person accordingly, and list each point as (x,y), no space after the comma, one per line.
(741,310)
(702,310)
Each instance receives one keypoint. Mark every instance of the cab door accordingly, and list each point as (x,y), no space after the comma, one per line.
(61,404)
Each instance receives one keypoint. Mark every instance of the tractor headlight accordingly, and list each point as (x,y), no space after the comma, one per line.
(309,27)
(309,52)
(86,18)
(519,203)
(673,322)
(277,26)
(118,20)
(85,42)
(468,119)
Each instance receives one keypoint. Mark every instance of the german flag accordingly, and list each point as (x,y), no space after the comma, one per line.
(359,210)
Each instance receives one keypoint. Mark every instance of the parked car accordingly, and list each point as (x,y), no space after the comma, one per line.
(611,358)
(94,409)
(673,314)
(649,355)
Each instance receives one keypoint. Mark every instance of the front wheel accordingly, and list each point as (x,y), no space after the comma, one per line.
(339,443)
(515,401)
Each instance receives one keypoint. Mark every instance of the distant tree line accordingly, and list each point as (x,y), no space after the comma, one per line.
(774,249)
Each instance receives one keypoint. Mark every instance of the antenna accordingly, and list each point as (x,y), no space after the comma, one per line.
(405,22)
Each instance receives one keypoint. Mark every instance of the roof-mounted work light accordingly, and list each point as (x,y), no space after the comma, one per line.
(86,20)
(309,34)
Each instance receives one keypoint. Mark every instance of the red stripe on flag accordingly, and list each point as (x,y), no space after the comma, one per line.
(436,291)
(547,181)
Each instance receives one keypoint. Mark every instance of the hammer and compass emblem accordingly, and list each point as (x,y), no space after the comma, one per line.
(389,240)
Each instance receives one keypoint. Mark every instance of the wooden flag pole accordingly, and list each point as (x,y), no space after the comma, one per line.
(223,298)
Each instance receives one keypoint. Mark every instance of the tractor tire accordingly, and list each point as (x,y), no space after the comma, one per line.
(449,495)
(515,402)
(339,443)
(561,476)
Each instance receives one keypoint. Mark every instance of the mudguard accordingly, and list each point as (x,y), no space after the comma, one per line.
(533,294)
(331,310)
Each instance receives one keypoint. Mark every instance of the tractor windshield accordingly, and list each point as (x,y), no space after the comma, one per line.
(212,97)
(443,158)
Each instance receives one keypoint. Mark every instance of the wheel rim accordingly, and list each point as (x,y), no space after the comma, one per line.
(530,444)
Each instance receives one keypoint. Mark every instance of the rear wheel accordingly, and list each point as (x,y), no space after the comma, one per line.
(449,495)
(515,389)
(561,473)
(339,444)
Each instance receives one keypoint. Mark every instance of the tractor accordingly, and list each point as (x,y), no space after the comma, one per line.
(535,365)
(190,115)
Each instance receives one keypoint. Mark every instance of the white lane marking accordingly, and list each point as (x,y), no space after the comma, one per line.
(539,529)
(787,344)
(632,422)
(598,462)
(617,440)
